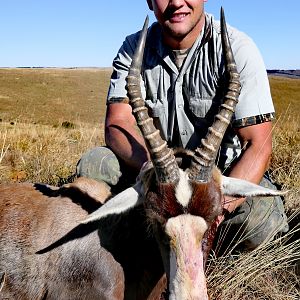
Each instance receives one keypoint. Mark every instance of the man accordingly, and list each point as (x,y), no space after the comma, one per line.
(182,74)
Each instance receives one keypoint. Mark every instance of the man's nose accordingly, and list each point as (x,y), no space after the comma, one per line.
(176,3)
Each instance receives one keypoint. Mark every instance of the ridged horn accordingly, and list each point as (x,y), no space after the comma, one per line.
(162,157)
(205,155)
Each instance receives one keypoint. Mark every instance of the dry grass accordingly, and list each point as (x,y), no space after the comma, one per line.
(285,164)
(43,153)
(50,117)
(268,272)
(263,276)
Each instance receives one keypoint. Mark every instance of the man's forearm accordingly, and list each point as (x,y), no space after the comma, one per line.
(251,166)
(255,158)
(127,143)
(123,136)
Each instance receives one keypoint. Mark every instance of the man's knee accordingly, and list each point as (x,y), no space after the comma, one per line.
(101,164)
(263,224)
(259,219)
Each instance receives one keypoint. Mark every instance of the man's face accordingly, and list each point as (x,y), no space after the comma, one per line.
(178,17)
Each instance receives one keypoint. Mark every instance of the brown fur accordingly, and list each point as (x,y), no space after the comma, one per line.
(30,221)
(95,190)
(206,200)
(46,254)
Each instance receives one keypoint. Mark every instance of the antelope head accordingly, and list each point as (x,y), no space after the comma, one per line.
(182,200)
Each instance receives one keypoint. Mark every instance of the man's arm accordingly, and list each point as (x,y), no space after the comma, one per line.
(256,141)
(123,136)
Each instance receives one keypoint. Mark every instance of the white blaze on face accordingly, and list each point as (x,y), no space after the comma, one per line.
(183,190)
(187,278)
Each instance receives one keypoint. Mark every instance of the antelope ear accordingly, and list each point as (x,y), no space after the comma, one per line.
(119,204)
(241,188)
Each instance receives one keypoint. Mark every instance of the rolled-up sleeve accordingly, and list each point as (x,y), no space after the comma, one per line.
(255,101)
(121,64)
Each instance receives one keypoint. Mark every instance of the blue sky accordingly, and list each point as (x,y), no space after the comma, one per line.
(88,33)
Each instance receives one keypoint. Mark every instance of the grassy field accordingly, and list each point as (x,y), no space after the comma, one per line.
(285,164)
(49,117)
(52,96)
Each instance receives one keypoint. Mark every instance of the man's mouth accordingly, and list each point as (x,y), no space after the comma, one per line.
(177,18)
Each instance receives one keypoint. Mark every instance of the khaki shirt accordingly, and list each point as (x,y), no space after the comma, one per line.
(183,102)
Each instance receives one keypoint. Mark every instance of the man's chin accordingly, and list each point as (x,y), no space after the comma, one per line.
(176,31)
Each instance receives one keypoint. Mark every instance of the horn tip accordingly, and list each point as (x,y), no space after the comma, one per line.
(146,21)
(222,14)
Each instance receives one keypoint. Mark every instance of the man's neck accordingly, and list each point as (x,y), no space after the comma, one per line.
(187,41)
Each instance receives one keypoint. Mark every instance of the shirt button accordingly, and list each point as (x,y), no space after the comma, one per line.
(183,132)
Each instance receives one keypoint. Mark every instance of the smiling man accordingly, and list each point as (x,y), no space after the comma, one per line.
(183,79)
(181,22)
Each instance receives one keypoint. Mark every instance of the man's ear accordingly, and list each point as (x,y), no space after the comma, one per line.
(150,4)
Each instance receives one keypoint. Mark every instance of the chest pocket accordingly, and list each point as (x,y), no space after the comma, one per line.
(204,98)
(199,107)
(203,111)
(158,113)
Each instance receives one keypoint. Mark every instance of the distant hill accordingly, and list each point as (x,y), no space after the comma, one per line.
(285,73)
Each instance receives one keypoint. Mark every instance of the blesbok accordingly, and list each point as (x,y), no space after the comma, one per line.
(51,249)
